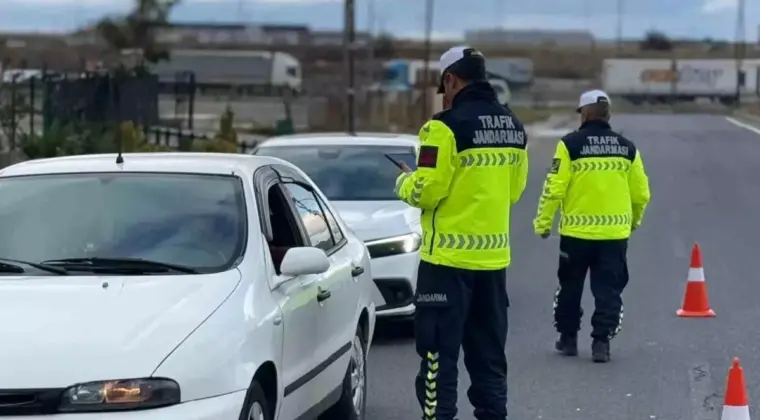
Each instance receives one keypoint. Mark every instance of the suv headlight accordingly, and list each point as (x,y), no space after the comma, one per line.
(119,395)
(395,245)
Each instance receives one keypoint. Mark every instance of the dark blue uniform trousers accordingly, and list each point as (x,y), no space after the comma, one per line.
(608,266)
(466,308)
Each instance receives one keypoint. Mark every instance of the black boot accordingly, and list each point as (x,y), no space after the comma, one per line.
(567,344)
(600,351)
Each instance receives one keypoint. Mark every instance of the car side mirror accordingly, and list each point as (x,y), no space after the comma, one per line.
(303,261)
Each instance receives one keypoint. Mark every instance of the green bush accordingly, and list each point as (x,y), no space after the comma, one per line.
(226,138)
(63,140)
(134,141)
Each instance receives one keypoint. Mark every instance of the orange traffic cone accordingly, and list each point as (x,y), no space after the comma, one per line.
(695,302)
(736,404)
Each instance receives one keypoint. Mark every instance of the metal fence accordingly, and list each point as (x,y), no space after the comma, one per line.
(44,115)
(84,102)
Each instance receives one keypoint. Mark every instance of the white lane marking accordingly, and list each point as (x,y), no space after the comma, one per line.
(743,125)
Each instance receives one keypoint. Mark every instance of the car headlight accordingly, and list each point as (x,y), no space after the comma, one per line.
(395,245)
(127,394)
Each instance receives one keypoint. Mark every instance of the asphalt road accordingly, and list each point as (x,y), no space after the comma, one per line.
(704,186)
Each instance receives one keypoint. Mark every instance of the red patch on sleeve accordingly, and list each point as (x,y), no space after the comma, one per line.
(428,157)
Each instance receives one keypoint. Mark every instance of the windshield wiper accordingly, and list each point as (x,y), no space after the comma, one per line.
(8,265)
(119,265)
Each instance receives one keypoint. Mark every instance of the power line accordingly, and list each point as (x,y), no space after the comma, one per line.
(499,14)
(619,26)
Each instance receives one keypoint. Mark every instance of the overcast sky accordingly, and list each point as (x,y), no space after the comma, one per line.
(694,18)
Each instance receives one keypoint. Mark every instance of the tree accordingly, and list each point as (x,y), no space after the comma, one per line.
(137,29)
(384,46)
(656,41)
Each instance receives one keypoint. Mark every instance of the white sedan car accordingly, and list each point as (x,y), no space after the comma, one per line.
(358,175)
(178,286)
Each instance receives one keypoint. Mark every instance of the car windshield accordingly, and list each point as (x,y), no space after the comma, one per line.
(197,221)
(348,173)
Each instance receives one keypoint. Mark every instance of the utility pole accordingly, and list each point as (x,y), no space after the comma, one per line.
(371,26)
(619,26)
(349,50)
(740,46)
(429,6)
(590,29)
(499,14)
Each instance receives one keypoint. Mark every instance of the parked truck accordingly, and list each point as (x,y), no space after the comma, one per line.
(664,80)
(275,71)
(403,75)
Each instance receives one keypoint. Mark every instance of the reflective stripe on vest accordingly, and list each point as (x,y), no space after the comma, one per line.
(581,166)
(469,242)
(488,159)
(596,220)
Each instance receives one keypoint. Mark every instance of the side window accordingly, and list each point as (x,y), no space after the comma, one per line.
(311,216)
(334,228)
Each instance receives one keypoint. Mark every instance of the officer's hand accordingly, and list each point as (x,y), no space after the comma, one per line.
(404,167)
(545,234)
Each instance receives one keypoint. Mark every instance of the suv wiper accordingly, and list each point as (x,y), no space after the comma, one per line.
(119,265)
(8,265)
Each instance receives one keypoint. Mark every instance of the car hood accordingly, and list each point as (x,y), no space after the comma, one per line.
(58,331)
(378,219)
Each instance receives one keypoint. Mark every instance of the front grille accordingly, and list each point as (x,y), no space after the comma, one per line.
(396,292)
(29,402)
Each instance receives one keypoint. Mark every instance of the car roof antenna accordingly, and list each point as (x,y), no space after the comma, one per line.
(119,157)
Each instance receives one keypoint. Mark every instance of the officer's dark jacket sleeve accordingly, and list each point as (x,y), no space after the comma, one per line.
(429,184)
(638,183)
(554,190)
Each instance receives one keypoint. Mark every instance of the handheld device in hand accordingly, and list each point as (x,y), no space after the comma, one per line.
(406,158)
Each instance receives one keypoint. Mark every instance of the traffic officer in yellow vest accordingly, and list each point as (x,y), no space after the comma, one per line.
(598,181)
(471,168)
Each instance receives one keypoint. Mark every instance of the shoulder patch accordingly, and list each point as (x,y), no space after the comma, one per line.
(555,166)
(428,157)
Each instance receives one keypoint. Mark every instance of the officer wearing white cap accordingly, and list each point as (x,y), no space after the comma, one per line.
(597,181)
(472,167)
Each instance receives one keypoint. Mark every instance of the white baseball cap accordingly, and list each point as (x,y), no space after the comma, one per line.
(462,60)
(593,97)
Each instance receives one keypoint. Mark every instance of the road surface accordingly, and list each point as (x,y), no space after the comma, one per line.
(704,180)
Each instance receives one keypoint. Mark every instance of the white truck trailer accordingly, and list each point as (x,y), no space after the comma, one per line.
(664,80)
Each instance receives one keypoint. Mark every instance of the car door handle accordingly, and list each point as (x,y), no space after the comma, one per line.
(323,295)
(357,271)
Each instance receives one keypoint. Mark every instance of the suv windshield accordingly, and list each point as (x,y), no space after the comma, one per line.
(348,173)
(196,221)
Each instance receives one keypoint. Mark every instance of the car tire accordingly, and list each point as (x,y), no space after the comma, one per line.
(353,398)
(256,406)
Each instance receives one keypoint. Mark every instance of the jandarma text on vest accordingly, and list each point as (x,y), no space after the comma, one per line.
(432,298)
(603,145)
(498,129)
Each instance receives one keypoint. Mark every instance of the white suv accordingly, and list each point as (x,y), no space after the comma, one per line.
(178,286)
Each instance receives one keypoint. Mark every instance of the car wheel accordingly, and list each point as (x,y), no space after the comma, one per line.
(256,406)
(353,399)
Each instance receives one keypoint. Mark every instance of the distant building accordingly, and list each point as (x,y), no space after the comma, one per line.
(537,37)
(335,38)
(215,33)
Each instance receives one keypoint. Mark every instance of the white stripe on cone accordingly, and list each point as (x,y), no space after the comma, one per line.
(696,274)
(731,412)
